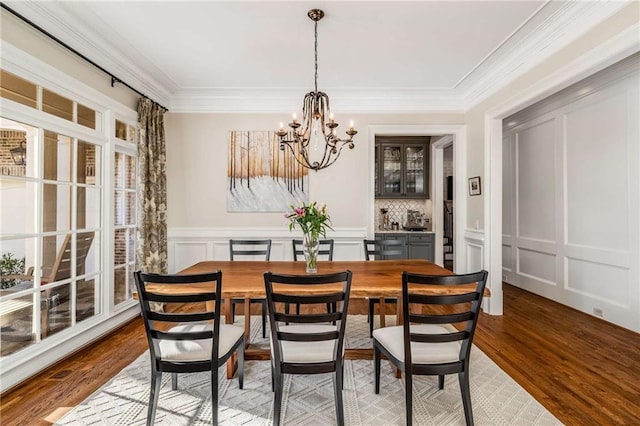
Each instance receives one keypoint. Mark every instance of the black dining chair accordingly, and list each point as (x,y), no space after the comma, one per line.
(250,250)
(188,342)
(377,250)
(307,343)
(325,251)
(436,336)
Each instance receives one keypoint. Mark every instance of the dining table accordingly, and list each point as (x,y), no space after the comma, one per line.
(245,280)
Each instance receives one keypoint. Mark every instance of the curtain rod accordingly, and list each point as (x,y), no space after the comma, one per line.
(114,79)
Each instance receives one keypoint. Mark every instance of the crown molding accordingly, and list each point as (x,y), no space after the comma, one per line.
(551,28)
(554,27)
(285,100)
(56,18)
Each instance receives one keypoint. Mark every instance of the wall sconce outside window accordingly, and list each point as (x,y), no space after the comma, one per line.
(19,154)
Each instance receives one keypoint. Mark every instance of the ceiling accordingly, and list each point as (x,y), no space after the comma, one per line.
(241,55)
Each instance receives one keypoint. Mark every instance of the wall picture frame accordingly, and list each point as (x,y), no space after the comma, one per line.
(474,186)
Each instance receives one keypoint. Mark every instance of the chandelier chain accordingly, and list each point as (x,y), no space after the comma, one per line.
(316,56)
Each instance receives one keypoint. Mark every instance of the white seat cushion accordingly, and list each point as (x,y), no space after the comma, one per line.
(198,350)
(308,352)
(392,338)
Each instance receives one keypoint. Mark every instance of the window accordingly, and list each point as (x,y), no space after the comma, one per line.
(124,197)
(60,209)
(51,232)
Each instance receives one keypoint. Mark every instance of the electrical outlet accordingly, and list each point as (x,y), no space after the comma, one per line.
(598,312)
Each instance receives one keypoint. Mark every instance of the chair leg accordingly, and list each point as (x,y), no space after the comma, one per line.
(264,319)
(273,378)
(441,381)
(371,316)
(463,377)
(408,398)
(241,365)
(337,389)
(297,309)
(233,310)
(214,395)
(156,381)
(174,381)
(376,368)
(277,397)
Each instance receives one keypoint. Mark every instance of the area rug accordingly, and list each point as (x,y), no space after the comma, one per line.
(308,400)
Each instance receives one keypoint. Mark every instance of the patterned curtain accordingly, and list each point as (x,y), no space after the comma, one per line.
(152,188)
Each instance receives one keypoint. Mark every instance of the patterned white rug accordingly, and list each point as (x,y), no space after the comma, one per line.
(308,400)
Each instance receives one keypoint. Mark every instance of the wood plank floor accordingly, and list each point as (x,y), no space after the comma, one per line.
(584,370)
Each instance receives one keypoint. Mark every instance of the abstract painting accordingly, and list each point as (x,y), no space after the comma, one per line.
(260,176)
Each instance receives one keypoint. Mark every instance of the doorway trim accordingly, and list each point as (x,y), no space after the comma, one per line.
(437,177)
(613,50)
(458,134)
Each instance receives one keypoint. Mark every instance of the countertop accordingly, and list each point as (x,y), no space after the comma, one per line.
(402,231)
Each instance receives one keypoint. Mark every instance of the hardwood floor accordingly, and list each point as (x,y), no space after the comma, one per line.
(584,370)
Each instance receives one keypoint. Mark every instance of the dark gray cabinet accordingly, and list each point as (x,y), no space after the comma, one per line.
(421,247)
(402,167)
(394,236)
(417,245)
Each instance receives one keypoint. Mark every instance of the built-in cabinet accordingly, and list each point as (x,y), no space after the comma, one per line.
(402,167)
(417,245)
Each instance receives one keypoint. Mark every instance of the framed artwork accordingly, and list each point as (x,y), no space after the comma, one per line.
(260,176)
(474,186)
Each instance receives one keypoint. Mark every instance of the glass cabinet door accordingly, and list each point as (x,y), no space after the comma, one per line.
(414,169)
(391,170)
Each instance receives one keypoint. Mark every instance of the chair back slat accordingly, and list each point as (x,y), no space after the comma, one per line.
(181,298)
(249,249)
(325,249)
(389,249)
(441,318)
(307,300)
(308,337)
(181,317)
(447,299)
(439,338)
(283,289)
(307,319)
(187,335)
(455,314)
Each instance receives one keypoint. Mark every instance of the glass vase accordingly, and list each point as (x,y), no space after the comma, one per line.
(310,247)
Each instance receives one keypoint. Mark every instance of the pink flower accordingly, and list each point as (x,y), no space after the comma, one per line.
(299,211)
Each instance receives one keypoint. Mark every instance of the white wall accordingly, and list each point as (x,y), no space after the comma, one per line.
(603,45)
(199,224)
(571,196)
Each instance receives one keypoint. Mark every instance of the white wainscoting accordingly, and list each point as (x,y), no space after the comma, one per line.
(572,195)
(474,251)
(187,246)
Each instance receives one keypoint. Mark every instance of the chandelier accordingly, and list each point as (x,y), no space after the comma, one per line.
(313,141)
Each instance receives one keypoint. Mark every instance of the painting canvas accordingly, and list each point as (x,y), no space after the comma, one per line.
(260,176)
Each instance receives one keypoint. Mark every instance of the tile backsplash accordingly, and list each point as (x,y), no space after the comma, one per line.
(398,209)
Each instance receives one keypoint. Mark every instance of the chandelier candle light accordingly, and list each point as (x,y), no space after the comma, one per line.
(311,134)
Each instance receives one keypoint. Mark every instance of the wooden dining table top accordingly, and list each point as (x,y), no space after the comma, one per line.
(382,278)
